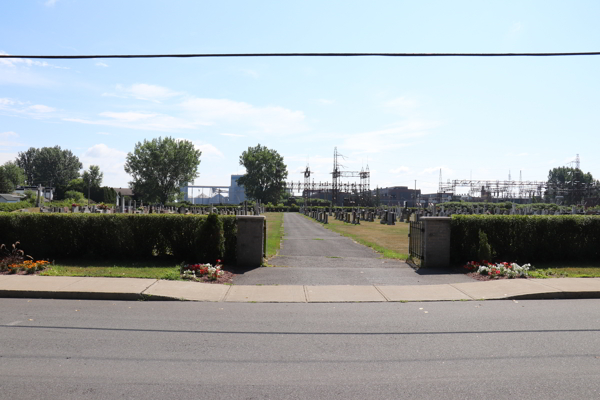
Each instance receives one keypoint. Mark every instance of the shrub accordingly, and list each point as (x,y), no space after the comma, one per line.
(484,251)
(8,207)
(529,238)
(30,195)
(74,195)
(193,238)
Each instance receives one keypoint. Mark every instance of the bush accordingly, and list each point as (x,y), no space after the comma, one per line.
(103,195)
(527,238)
(484,251)
(75,196)
(213,244)
(8,207)
(31,196)
(190,238)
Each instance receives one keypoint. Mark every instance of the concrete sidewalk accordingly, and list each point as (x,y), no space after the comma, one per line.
(57,287)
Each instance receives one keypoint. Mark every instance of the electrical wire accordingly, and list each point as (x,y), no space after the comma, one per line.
(216,55)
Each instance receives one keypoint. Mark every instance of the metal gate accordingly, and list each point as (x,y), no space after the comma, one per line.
(415,242)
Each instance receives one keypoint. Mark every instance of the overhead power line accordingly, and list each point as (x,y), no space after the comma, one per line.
(215,55)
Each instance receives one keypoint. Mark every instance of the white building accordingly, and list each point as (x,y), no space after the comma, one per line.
(233,194)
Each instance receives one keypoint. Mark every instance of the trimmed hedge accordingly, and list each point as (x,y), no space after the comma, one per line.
(282,208)
(527,238)
(191,238)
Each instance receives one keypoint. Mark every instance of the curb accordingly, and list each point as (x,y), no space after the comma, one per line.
(62,295)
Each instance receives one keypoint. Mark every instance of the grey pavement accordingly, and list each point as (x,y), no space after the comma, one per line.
(313,255)
(57,287)
(97,350)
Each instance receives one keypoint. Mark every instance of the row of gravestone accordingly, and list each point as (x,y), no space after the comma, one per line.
(442,211)
(320,216)
(152,209)
(352,217)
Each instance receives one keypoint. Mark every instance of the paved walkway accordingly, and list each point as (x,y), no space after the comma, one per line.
(59,287)
(313,255)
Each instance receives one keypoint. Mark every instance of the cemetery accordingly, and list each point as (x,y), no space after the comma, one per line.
(449,234)
(436,233)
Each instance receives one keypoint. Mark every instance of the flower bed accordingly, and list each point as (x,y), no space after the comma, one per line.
(14,261)
(485,270)
(25,267)
(206,273)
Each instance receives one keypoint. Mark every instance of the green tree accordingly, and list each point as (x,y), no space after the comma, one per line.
(11,176)
(265,174)
(160,167)
(77,185)
(93,177)
(50,166)
(25,161)
(571,183)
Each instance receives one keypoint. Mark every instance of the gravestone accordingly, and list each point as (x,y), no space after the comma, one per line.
(392,218)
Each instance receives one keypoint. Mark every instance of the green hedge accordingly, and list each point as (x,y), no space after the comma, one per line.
(8,207)
(191,238)
(282,208)
(527,238)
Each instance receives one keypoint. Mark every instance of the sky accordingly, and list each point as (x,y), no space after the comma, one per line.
(407,119)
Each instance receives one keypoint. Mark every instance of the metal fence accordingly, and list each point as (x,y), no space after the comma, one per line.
(415,243)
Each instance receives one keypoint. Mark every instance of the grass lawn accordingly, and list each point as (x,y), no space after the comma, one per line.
(154,269)
(566,270)
(390,240)
(274,232)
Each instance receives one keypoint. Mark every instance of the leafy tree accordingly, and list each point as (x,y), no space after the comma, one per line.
(77,185)
(93,177)
(11,176)
(50,166)
(6,185)
(25,161)
(265,174)
(568,182)
(160,167)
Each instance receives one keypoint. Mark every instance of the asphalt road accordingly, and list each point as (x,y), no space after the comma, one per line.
(65,349)
(313,255)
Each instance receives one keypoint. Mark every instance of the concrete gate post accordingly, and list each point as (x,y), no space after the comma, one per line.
(251,240)
(436,242)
